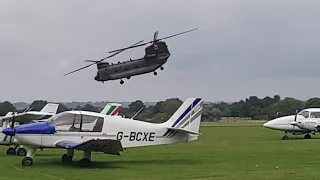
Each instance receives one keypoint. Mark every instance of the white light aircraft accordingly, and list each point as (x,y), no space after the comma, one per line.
(107,134)
(14,119)
(305,122)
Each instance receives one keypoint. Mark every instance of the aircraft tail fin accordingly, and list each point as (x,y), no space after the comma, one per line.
(8,114)
(50,108)
(111,109)
(187,118)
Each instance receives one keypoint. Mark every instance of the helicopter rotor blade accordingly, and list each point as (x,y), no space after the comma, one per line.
(88,60)
(95,62)
(177,34)
(154,40)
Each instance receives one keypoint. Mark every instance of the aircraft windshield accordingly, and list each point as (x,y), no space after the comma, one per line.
(315,115)
(305,114)
(67,121)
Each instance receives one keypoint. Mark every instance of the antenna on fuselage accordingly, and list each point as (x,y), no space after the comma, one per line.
(137,113)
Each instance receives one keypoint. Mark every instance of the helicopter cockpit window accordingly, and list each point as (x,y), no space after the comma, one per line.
(315,115)
(305,114)
(77,122)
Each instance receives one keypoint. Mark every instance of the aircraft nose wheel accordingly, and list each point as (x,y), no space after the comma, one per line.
(21,152)
(285,137)
(27,161)
(11,152)
(121,82)
(155,73)
(66,158)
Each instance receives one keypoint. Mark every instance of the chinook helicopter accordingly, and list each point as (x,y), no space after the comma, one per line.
(155,56)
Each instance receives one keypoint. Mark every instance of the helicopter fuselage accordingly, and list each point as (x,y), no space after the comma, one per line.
(156,55)
(131,68)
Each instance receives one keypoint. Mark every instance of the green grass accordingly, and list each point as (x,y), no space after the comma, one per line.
(224,152)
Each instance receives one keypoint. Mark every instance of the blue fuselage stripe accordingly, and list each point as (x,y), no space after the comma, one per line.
(195,102)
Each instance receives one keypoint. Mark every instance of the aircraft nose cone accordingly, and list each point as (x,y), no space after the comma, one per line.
(9,132)
(269,124)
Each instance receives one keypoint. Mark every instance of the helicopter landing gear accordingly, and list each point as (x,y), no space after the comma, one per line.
(161,68)
(128,77)
(121,82)
(155,73)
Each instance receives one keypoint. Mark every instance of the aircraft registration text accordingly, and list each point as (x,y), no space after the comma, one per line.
(137,136)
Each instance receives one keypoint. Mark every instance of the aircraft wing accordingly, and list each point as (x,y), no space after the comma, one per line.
(26,117)
(107,146)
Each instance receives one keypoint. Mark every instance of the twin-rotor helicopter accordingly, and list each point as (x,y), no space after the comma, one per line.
(156,55)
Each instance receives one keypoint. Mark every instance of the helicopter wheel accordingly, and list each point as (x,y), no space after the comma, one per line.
(128,77)
(155,73)
(161,68)
(121,82)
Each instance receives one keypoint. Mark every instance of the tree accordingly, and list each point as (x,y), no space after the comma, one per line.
(170,105)
(89,107)
(37,105)
(6,107)
(62,108)
(313,103)
(136,106)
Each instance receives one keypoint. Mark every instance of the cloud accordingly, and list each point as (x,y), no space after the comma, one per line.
(242,48)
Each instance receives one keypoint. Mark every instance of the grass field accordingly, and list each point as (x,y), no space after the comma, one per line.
(222,152)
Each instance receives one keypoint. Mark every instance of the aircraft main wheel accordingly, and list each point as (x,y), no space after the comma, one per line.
(66,158)
(21,152)
(121,82)
(11,151)
(155,73)
(161,68)
(285,137)
(307,136)
(85,162)
(27,161)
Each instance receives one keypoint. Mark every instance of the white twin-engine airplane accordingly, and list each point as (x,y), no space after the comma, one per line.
(305,122)
(14,119)
(96,132)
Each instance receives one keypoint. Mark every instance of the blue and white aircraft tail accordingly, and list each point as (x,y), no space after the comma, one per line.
(96,132)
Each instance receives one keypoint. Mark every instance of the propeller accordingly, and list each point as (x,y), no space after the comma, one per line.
(295,123)
(155,39)
(12,127)
(95,62)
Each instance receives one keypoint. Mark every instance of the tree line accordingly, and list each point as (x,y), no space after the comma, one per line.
(252,107)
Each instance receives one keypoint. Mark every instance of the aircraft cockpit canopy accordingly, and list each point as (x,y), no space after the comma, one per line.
(76,121)
(310,113)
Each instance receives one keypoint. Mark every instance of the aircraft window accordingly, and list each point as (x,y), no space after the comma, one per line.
(305,114)
(77,122)
(315,115)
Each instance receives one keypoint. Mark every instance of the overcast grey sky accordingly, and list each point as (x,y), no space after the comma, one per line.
(242,48)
